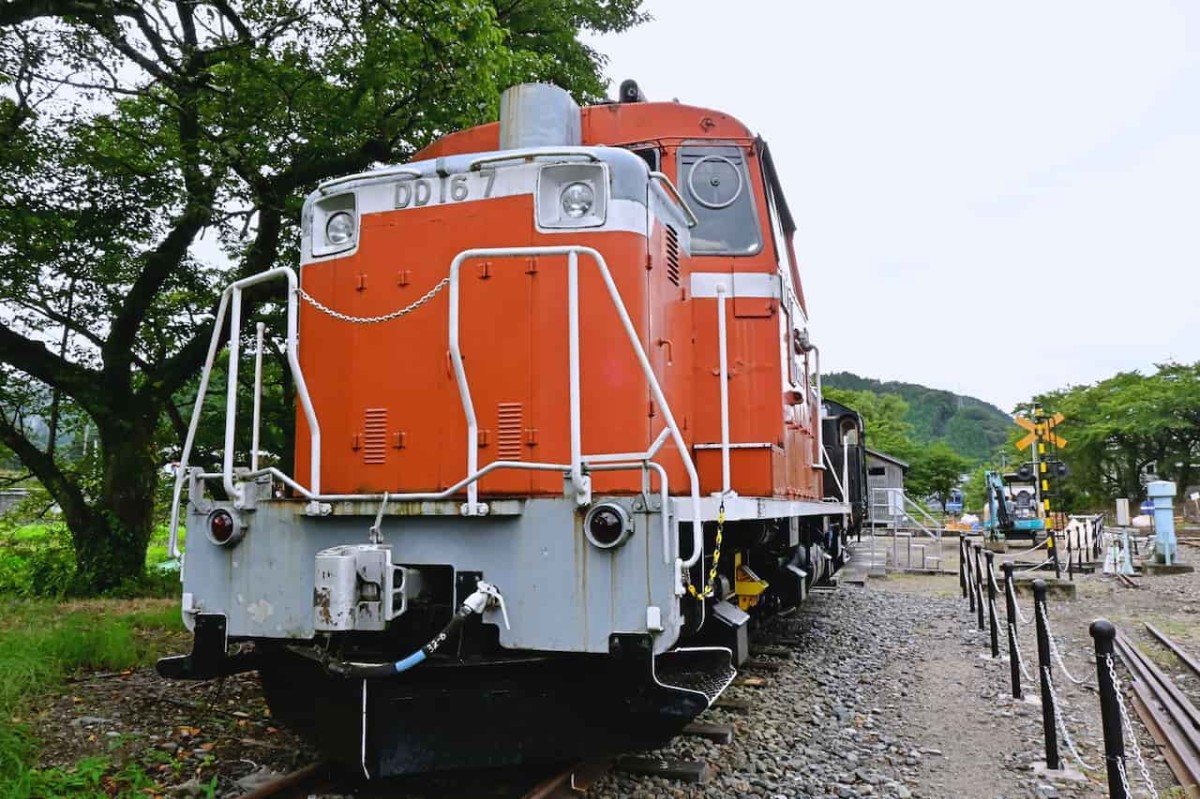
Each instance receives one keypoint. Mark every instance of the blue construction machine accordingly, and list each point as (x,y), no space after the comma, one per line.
(1012,506)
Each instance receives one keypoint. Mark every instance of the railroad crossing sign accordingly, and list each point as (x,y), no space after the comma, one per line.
(1043,430)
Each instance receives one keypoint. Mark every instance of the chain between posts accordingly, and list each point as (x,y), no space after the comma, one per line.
(1129,731)
(1062,724)
(372,320)
(1054,648)
(1017,648)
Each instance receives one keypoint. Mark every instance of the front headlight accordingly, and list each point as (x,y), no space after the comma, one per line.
(577,200)
(334,226)
(572,195)
(340,228)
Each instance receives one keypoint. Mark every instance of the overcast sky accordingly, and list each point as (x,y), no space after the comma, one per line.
(993,198)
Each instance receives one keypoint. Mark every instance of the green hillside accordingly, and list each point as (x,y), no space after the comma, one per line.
(972,427)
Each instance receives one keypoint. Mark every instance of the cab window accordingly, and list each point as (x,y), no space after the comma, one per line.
(717,187)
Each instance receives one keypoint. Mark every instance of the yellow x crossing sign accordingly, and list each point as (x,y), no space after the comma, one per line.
(1044,430)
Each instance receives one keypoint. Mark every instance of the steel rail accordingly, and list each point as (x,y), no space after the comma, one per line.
(320,778)
(300,783)
(1175,648)
(570,782)
(1171,719)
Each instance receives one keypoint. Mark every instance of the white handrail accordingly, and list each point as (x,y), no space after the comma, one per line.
(833,471)
(630,331)
(260,329)
(820,406)
(723,374)
(232,297)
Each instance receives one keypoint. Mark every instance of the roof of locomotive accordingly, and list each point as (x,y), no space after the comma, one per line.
(610,123)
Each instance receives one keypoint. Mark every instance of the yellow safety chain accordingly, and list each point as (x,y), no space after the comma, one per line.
(712,573)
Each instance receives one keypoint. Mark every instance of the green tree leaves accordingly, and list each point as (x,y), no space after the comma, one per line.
(153,150)
(1119,426)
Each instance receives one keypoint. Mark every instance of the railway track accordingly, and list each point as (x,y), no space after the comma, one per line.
(1127,581)
(1172,720)
(320,779)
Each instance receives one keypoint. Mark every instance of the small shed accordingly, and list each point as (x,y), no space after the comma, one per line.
(885,485)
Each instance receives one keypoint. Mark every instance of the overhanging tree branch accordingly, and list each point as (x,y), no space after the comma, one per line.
(33,358)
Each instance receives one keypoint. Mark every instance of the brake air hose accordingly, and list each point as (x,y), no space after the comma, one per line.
(477,602)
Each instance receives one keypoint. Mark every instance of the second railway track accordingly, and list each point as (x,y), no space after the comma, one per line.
(1171,718)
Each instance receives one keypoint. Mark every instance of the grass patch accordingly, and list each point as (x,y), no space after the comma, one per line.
(38,560)
(41,643)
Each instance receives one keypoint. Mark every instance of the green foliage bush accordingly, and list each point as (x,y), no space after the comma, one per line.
(38,563)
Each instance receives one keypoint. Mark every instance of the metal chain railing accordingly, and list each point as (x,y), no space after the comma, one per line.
(1054,648)
(371,320)
(993,588)
(1016,606)
(1130,735)
(1041,565)
(1124,777)
(1062,724)
(1017,648)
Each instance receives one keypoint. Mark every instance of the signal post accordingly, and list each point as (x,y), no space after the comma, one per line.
(1044,444)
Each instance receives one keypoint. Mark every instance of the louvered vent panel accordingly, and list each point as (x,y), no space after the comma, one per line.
(508,431)
(672,255)
(375,443)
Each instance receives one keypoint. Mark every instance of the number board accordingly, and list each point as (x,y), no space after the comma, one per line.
(444,189)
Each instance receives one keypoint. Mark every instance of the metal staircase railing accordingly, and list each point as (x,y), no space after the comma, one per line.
(905,520)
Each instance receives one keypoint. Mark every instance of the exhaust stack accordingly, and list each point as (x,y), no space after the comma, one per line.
(538,115)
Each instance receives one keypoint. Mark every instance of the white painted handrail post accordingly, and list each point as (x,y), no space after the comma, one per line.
(464,391)
(181,469)
(846,468)
(258,366)
(722,346)
(820,406)
(582,493)
(235,327)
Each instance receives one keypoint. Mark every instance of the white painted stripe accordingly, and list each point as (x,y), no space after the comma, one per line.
(381,197)
(738,284)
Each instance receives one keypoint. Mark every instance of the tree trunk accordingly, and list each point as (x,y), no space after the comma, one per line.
(110,547)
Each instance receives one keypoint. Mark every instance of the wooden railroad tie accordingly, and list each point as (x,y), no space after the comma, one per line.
(693,771)
(751,682)
(734,705)
(718,733)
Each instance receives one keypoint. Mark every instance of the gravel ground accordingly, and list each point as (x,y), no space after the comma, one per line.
(890,691)
(831,723)
(884,691)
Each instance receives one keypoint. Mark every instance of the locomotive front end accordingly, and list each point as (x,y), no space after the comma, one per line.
(479,520)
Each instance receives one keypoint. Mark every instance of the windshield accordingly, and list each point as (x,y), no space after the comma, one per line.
(718,190)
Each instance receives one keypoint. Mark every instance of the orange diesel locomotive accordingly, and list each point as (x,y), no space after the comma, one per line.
(558,441)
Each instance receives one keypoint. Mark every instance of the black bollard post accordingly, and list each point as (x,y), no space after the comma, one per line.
(1043,645)
(1010,607)
(962,564)
(1103,632)
(978,588)
(1052,546)
(970,576)
(991,584)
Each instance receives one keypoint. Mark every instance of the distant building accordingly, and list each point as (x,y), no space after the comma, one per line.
(884,471)
(10,497)
(885,486)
